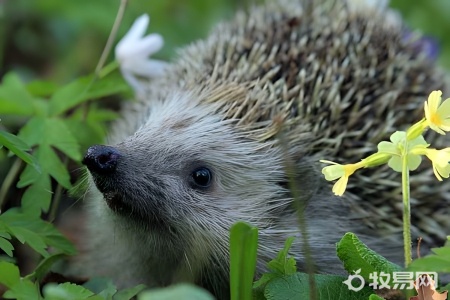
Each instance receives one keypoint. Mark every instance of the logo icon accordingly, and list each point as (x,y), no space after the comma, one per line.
(349,281)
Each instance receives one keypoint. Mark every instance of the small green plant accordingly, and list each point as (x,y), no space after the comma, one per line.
(403,154)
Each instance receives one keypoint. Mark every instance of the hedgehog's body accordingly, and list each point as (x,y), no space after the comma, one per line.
(338,81)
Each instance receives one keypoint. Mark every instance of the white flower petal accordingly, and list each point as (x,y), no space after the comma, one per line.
(146,68)
(133,52)
(146,46)
(138,28)
(133,35)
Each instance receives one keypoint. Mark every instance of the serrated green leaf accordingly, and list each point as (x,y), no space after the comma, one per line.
(284,265)
(356,255)
(90,129)
(84,89)
(51,163)
(66,291)
(70,95)
(37,197)
(329,287)
(14,98)
(18,147)
(279,266)
(6,246)
(243,250)
(176,292)
(86,133)
(28,176)
(25,235)
(265,278)
(59,136)
(103,287)
(23,290)
(44,267)
(33,133)
(59,241)
(47,231)
(129,293)
(9,274)
(51,132)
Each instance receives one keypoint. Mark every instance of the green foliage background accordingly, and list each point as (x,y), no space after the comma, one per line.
(61,40)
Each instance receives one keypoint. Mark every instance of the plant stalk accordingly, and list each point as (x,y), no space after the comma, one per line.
(299,205)
(406,211)
(9,179)
(57,196)
(112,36)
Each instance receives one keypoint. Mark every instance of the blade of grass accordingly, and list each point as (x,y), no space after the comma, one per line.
(243,250)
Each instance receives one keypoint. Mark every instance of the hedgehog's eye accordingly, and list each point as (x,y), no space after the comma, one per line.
(201,177)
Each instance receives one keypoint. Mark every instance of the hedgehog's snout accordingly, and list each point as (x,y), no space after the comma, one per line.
(102,159)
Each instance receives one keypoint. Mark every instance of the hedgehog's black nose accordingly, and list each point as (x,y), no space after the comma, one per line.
(101,159)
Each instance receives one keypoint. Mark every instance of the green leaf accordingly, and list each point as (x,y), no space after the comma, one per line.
(59,136)
(33,133)
(243,250)
(104,287)
(375,297)
(284,265)
(445,288)
(25,235)
(280,266)
(28,176)
(44,267)
(45,230)
(357,256)
(84,89)
(437,262)
(14,98)
(6,246)
(38,196)
(18,147)
(176,292)
(129,293)
(329,287)
(66,291)
(51,163)
(90,129)
(51,132)
(9,274)
(41,88)
(24,290)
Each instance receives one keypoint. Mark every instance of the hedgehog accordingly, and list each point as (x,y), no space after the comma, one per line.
(201,148)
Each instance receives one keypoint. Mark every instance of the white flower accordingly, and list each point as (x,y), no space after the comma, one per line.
(133,51)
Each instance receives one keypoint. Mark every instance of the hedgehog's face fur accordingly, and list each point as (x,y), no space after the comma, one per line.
(190,173)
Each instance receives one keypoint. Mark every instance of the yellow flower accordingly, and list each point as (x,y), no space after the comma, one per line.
(342,172)
(437,114)
(440,160)
(396,148)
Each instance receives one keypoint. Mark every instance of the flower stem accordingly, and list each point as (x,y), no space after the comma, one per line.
(406,210)
(9,181)
(112,36)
